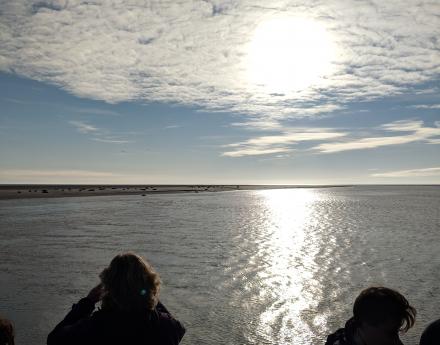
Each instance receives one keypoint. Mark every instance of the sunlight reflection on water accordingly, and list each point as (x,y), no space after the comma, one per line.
(287,214)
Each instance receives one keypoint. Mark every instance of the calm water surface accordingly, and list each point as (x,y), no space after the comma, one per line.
(245,267)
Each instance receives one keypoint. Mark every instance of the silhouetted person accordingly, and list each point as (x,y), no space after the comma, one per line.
(130,310)
(379,314)
(6,332)
(431,335)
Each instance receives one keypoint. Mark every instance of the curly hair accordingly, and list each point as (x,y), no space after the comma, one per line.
(376,305)
(130,284)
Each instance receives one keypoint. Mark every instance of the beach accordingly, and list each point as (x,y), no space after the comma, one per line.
(59,191)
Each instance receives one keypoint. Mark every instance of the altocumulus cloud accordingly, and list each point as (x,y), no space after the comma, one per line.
(194,52)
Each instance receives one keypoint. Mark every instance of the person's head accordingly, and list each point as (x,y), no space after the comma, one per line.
(381,314)
(431,335)
(130,284)
(6,332)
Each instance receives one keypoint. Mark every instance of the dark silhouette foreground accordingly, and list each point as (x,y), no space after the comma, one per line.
(431,335)
(6,332)
(130,311)
(379,314)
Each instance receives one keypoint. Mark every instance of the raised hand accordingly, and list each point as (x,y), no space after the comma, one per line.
(96,293)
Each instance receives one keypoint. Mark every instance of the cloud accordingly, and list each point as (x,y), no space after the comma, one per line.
(283,142)
(85,128)
(256,151)
(410,173)
(196,52)
(112,141)
(403,126)
(425,106)
(416,132)
(337,140)
(98,134)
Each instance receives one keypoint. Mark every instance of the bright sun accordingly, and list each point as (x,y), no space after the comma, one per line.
(289,54)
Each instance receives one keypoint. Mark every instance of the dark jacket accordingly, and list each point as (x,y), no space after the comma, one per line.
(343,336)
(83,327)
(348,335)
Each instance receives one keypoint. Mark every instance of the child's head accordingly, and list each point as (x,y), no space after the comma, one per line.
(130,283)
(382,313)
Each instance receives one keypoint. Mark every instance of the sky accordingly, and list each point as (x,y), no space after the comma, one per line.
(220,92)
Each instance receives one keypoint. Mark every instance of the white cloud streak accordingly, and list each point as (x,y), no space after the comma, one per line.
(98,134)
(84,128)
(412,131)
(255,151)
(425,106)
(410,173)
(194,52)
(416,132)
(283,142)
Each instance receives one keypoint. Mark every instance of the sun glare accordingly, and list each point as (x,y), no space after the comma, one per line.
(289,54)
(290,258)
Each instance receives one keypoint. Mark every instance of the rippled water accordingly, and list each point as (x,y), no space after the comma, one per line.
(245,267)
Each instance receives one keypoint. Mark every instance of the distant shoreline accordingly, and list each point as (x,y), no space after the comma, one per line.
(8,192)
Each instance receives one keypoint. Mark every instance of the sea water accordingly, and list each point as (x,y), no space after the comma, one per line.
(247,267)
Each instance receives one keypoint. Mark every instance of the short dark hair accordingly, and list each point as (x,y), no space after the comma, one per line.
(377,305)
(6,332)
(431,334)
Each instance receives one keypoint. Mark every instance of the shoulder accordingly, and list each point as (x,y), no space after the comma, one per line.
(431,334)
(337,338)
(171,327)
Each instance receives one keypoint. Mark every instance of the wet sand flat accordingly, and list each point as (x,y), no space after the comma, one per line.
(57,191)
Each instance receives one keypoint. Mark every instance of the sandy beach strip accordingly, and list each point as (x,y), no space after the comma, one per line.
(58,191)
